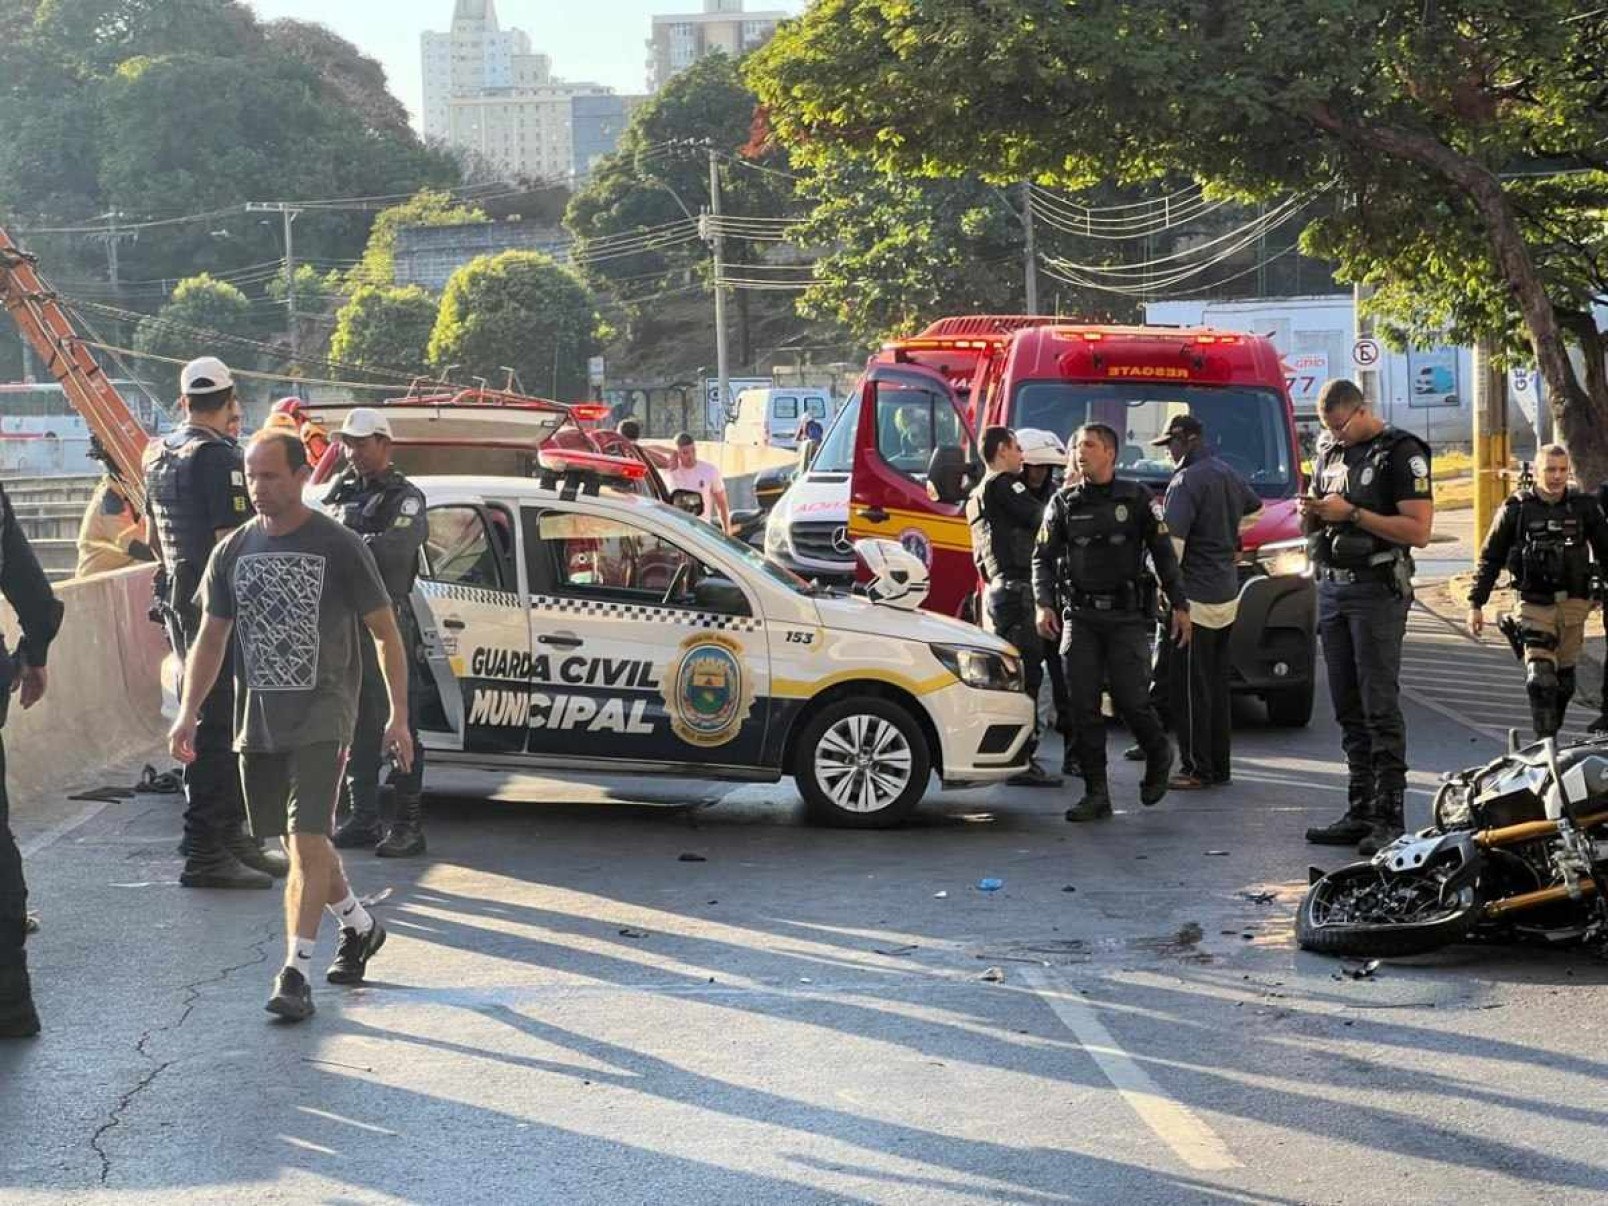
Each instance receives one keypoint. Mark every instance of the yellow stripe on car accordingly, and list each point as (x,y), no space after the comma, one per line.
(795,688)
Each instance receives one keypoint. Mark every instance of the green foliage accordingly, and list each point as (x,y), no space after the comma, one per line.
(385,328)
(522,310)
(198,303)
(426,208)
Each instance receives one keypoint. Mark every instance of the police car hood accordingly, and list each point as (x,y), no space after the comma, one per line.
(854,614)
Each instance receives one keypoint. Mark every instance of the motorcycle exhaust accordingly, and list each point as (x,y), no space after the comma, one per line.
(1529,900)
(1510,835)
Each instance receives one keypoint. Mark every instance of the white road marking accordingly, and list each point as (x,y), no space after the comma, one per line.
(1190,1139)
(58,831)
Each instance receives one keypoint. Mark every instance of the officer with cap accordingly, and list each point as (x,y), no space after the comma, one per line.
(1089,563)
(195,486)
(1545,537)
(374,500)
(1004,516)
(1371,504)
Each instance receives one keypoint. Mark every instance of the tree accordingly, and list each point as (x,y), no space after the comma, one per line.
(518,310)
(347,73)
(385,328)
(1415,113)
(426,208)
(199,305)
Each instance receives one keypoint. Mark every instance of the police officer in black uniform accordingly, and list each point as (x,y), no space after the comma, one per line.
(387,511)
(1371,503)
(1089,561)
(1004,516)
(26,588)
(1545,536)
(195,485)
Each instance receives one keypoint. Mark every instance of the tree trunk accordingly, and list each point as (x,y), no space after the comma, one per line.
(1581,417)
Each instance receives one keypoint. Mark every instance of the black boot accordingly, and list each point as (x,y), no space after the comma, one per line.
(18,1019)
(1566,691)
(252,853)
(405,839)
(1071,765)
(208,864)
(1096,802)
(362,826)
(1384,824)
(1350,828)
(1158,770)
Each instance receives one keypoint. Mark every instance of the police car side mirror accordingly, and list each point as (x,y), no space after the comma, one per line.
(947,473)
(689,501)
(721,596)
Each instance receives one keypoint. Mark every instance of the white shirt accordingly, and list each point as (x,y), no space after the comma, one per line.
(702,477)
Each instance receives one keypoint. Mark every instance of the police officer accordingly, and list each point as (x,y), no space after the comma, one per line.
(1545,537)
(195,486)
(1004,516)
(1043,454)
(1370,505)
(374,500)
(26,588)
(1089,561)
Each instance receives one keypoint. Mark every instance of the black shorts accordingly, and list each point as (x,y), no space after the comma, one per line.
(295,791)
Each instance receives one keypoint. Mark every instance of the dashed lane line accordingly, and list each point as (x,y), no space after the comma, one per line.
(1190,1139)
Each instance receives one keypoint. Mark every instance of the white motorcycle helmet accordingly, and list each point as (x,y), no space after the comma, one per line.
(898,577)
(1041,447)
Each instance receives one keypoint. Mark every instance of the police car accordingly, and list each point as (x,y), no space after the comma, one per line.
(604,631)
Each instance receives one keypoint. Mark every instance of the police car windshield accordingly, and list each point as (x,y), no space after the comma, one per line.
(692,525)
(1246,426)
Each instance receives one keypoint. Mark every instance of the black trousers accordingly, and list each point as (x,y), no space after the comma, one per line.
(214,805)
(367,757)
(1011,618)
(1363,625)
(1197,677)
(13,888)
(1113,650)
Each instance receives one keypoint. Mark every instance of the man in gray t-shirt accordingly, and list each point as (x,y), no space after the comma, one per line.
(297,589)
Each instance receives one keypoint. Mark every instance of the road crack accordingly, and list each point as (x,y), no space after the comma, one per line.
(192,997)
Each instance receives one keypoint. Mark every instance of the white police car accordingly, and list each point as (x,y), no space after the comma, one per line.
(607,632)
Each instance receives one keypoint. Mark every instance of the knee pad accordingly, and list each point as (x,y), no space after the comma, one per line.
(1541,680)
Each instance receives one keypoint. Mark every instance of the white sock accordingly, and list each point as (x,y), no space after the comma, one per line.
(299,954)
(350,915)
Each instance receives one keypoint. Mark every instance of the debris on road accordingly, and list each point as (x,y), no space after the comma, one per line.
(1069,888)
(896,950)
(690,857)
(628,932)
(374,898)
(990,884)
(1362,971)
(1258,897)
(1217,854)
(993,975)
(940,895)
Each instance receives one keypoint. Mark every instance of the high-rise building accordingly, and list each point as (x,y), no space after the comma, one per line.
(485,91)
(680,39)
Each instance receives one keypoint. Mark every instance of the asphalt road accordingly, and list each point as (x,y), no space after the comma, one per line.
(568,1011)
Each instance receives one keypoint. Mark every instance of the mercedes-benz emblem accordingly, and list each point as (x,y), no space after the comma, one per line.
(840,540)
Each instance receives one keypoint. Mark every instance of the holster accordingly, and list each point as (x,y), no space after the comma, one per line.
(1508,625)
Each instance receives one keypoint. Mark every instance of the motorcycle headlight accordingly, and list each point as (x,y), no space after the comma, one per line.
(1283,558)
(981,668)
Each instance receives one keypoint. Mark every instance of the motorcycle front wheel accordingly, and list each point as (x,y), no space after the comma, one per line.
(1371,913)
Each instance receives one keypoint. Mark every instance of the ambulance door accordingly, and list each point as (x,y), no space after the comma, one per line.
(641,654)
(908,413)
(473,628)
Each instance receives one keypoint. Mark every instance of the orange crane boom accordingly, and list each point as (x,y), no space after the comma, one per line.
(46,327)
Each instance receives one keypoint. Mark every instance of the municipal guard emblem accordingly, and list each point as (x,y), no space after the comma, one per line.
(1122,512)
(706,692)
(1419,466)
(1367,474)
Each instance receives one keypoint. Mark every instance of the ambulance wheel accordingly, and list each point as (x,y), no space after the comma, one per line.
(861,764)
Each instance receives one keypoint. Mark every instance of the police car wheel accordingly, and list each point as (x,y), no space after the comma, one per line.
(862,763)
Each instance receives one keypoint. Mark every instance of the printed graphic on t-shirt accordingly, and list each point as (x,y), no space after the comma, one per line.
(276,619)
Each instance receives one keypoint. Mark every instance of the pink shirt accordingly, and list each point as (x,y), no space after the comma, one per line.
(705,479)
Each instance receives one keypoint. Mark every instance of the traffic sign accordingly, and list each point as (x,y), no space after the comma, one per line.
(1365,353)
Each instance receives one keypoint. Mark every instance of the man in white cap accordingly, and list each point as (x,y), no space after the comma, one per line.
(195,484)
(374,500)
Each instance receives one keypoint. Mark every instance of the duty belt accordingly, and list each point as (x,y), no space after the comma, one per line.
(1378,569)
(1082,599)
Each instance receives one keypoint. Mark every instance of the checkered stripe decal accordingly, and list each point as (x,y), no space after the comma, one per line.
(468,594)
(602,608)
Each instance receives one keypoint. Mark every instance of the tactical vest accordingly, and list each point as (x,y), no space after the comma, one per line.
(185,532)
(369,508)
(1345,545)
(998,549)
(1104,537)
(1550,554)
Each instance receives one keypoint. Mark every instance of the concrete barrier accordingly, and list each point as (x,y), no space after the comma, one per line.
(103,703)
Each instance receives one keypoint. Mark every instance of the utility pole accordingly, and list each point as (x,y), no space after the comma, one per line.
(717,246)
(1490,436)
(112,237)
(1368,378)
(1030,252)
(289,213)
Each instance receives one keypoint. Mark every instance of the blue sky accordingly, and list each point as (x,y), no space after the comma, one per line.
(602,41)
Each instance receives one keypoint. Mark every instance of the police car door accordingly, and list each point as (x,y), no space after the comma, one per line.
(640,654)
(472,623)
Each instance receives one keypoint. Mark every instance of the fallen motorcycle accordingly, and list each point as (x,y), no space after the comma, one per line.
(1518,849)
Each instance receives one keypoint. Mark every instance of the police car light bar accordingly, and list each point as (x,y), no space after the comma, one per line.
(590,412)
(565,460)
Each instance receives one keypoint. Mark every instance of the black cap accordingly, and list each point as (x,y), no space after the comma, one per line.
(1181,427)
